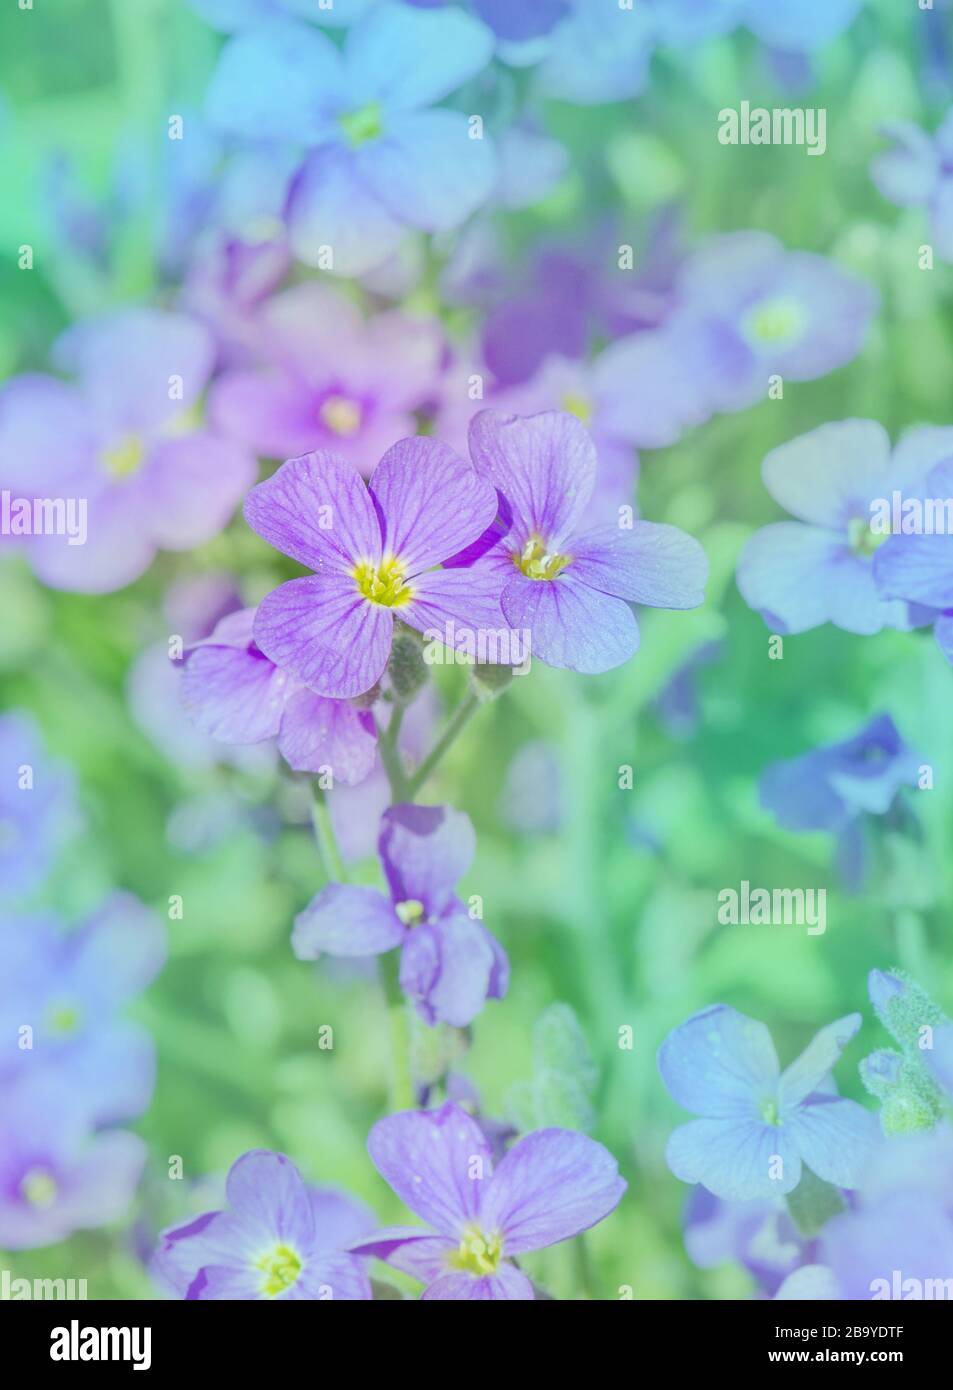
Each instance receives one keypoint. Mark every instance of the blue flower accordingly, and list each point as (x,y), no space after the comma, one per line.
(820,568)
(797,27)
(759,1126)
(919,568)
(917,172)
(380,156)
(69,988)
(36,805)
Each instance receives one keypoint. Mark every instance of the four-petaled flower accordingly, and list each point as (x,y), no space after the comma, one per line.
(450,964)
(550,1186)
(759,1126)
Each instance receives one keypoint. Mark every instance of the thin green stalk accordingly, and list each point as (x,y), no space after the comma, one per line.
(327,841)
(455,724)
(402,1082)
(390,757)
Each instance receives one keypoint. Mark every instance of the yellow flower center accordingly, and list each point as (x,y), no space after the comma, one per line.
(774,321)
(362,125)
(861,539)
(769,1111)
(477,1253)
(340,415)
(124,458)
(536,562)
(63,1019)
(410,911)
(281,1268)
(39,1188)
(579,405)
(383,583)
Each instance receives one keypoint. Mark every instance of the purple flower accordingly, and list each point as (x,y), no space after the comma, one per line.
(333,381)
(277,1238)
(751,310)
(450,964)
(820,568)
(117,444)
(760,1125)
(918,172)
(233,693)
(902,1225)
(759,1235)
(918,568)
(57,1175)
(530,19)
(373,550)
(69,988)
(37,797)
(381,157)
(571,589)
(791,28)
(549,1187)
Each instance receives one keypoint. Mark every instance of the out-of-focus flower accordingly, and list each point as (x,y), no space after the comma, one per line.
(759,1235)
(233,693)
(918,172)
(450,964)
(759,1125)
(57,1175)
(121,447)
(918,568)
(37,805)
(793,28)
(381,156)
(820,568)
(901,1227)
(549,1187)
(242,14)
(533,798)
(331,381)
(571,590)
(829,787)
(677,702)
(68,988)
(373,550)
(750,310)
(278,1238)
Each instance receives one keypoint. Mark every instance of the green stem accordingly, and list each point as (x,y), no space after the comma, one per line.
(327,842)
(457,721)
(402,1083)
(390,757)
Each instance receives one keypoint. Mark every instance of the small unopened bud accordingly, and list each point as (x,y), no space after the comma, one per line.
(489,681)
(406,669)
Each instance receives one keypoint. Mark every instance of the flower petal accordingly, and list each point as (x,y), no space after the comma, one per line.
(427,169)
(436,1161)
(425,850)
(735,1158)
(316,509)
(544,466)
(507,1283)
(829,475)
(318,734)
(432,502)
(653,564)
(335,219)
(445,970)
(346,920)
(325,633)
(836,1138)
(551,1186)
(806,1073)
(269,1200)
(406,57)
(570,625)
(279,81)
(233,693)
(719,1063)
